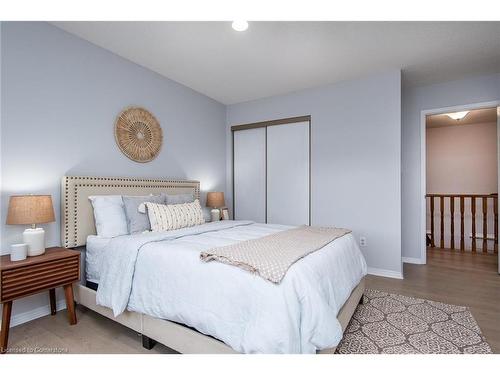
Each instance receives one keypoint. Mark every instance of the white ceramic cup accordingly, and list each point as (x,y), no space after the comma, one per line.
(18,251)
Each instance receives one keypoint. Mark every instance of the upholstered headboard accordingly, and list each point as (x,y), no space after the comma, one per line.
(77,216)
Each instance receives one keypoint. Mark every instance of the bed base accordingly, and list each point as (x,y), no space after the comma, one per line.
(184,339)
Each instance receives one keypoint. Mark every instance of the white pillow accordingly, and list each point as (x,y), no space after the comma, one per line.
(207,214)
(109,215)
(164,217)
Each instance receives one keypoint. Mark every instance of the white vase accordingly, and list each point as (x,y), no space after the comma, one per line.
(35,239)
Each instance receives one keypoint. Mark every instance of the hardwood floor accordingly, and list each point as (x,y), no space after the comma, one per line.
(451,277)
(93,334)
(456,278)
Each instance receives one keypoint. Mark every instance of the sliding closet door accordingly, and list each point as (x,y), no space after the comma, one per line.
(250,174)
(288,174)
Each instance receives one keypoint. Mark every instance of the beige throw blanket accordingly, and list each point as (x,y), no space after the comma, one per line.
(271,256)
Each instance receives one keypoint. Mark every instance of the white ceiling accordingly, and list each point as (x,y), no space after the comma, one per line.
(272,58)
(476,116)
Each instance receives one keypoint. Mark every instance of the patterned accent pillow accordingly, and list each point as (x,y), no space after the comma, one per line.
(174,216)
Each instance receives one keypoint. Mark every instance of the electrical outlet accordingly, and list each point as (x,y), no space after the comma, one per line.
(362,241)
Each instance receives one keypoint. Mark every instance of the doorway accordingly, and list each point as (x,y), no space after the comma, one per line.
(460,179)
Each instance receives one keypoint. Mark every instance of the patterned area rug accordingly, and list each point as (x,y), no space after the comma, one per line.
(395,324)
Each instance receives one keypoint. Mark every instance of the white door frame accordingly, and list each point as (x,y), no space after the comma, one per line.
(423,169)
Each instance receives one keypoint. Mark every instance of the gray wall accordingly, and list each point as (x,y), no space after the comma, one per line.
(454,93)
(60,98)
(356,153)
(1,116)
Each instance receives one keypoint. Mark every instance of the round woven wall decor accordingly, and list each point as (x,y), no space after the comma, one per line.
(138,134)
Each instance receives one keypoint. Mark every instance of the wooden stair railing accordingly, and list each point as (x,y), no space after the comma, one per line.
(484,213)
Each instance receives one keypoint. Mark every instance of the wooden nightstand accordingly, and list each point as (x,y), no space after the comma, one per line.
(58,267)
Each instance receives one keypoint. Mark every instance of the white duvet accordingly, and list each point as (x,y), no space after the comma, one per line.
(161,274)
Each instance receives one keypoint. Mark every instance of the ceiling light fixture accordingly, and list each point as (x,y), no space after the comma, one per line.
(240,25)
(457,115)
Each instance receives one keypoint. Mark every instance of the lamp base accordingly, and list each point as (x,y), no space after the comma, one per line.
(35,239)
(215,214)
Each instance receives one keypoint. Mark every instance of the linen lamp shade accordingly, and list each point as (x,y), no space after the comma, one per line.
(215,199)
(30,209)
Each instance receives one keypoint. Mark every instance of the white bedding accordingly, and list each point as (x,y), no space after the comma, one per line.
(95,248)
(162,275)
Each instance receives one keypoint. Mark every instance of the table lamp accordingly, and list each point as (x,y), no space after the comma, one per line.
(31,210)
(215,200)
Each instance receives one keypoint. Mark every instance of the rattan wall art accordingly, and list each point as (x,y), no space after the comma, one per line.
(138,134)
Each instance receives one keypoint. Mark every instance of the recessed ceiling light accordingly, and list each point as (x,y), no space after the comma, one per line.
(240,25)
(457,115)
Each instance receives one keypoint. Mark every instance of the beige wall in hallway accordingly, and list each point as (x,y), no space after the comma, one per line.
(462,159)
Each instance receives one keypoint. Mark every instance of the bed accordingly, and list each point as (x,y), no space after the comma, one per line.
(196,307)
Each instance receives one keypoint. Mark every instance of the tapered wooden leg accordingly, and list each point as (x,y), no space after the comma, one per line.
(70,303)
(361,300)
(52,297)
(4,334)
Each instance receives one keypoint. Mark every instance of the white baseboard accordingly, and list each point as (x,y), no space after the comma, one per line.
(36,313)
(385,273)
(412,260)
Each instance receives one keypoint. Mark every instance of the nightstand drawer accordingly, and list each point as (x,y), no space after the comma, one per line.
(34,278)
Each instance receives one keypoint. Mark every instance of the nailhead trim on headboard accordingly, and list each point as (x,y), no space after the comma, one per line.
(71,184)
